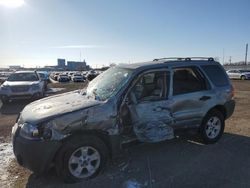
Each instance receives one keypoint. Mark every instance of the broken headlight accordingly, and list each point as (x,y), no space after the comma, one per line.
(49,131)
(29,131)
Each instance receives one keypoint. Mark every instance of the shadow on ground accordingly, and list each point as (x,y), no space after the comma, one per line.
(177,163)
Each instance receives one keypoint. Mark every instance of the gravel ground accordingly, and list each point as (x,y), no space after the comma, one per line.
(180,162)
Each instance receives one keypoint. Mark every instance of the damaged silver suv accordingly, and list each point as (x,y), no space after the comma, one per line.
(77,132)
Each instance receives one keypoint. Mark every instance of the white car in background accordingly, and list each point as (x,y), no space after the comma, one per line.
(22,85)
(239,74)
(77,77)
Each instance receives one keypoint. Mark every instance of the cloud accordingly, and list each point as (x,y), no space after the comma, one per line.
(77,46)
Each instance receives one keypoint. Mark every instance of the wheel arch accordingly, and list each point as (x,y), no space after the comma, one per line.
(103,136)
(219,108)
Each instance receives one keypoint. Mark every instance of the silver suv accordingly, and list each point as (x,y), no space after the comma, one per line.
(148,102)
(22,85)
(239,74)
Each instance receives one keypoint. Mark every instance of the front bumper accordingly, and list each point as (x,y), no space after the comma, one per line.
(36,155)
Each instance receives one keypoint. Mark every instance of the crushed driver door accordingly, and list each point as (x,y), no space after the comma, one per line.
(149,108)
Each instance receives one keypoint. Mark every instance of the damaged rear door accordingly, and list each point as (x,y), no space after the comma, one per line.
(149,108)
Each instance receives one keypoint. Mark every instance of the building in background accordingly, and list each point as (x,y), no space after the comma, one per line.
(61,64)
(77,66)
(15,67)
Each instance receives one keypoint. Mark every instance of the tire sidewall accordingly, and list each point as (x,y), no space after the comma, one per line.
(243,78)
(71,146)
(205,138)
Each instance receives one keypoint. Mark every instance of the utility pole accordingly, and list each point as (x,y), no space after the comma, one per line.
(230,59)
(246,54)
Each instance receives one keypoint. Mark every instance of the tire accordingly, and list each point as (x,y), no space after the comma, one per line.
(76,154)
(243,77)
(212,127)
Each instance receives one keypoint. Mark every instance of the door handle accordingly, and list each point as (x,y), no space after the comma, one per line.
(204,98)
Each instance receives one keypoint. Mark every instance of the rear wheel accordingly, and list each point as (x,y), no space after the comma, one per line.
(81,158)
(212,127)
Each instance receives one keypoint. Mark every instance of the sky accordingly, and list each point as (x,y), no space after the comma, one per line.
(35,33)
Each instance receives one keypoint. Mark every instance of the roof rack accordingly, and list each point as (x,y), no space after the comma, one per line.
(185,58)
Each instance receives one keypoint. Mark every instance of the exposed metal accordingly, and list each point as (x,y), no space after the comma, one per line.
(152,121)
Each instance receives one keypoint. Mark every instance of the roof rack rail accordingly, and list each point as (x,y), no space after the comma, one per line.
(185,58)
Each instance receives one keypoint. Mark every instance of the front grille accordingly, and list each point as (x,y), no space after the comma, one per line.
(19,88)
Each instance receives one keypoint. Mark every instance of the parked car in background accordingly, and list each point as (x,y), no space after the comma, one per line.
(91,75)
(45,77)
(22,85)
(55,75)
(77,77)
(4,76)
(70,74)
(63,78)
(239,74)
(149,102)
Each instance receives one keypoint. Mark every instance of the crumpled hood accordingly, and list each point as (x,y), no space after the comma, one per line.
(56,105)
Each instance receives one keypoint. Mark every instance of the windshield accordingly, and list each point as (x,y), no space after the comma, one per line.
(108,83)
(23,77)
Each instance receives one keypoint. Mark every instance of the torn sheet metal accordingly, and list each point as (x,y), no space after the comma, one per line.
(152,121)
(153,131)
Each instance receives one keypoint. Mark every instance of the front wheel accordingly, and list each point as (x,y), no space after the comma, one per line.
(81,158)
(212,127)
(243,78)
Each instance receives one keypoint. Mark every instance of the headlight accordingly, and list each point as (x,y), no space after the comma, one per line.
(29,131)
(49,131)
(35,87)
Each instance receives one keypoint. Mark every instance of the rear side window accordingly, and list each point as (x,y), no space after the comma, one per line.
(187,80)
(216,75)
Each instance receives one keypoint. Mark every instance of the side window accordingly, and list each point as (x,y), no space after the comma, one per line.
(216,74)
(150,87)
(187,80)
